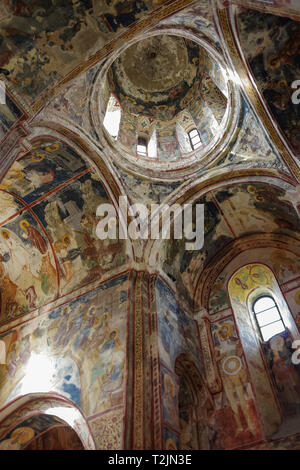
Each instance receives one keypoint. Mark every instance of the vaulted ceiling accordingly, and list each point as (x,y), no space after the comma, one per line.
(57,165)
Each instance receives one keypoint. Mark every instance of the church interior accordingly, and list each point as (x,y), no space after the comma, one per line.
(149,342)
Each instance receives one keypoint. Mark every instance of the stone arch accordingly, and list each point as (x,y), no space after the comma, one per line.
(195,405)
(24,407)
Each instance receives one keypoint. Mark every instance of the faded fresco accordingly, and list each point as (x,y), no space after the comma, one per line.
(236,417)
(184,266)
(282,376)
(43,41)
(230,213)
(271,46)
(48,242)
(169,398)
(177,331)
(77,350)
(10,113)
(284,263)
(183,79)
(58,438)
(171,439)
(285,374)
(39,432)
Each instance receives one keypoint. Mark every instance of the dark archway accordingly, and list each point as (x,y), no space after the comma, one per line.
(195,406)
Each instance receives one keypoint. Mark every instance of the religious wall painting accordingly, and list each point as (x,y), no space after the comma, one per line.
(77,350)
(236,406)
(197,16)
(252,144)
(171,439)
(170,388)
(293,300)
(146,191)
(29,429)
(271,45)
(185,266)
(56,374)
(195,405)
(278,373)
(173,72)
(214,98)
(218,298)
(10,112)
(285,374)
(69,217)
(251,206)
(46,167)
(187,418)
(56,438)
(10,205)
(119,16)
(167,310)
(285,264)
(178,333)
(44,42)
(28,268)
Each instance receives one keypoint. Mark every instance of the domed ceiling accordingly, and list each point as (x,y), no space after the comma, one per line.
(163,87)
(154,75)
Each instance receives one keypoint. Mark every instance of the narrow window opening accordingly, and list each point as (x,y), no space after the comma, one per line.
(195,139)
(142,146)
(268,317)
(112,118)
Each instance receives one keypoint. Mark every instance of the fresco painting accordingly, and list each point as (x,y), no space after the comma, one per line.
(283,374)
(166,98)
(170,398)
(10,112)
(292,297)
(252,144)
(77,350)
(284,264)
(237,406)
(271,46)
(257,204)
(177,331)
(185,266)
(171,439)
(51,200)
(161,94)
(69,216)
(43,42)
(198,16)
(108,428)
(27,431)
(187,418)
(56,438)
(214,98)
(28,271)
(47,166)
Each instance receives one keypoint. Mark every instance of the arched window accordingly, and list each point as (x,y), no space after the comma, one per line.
(152,145)
(112,117)
(194,138)
(268,317)
(142,146)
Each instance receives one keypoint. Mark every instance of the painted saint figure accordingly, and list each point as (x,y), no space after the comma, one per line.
(234,375)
